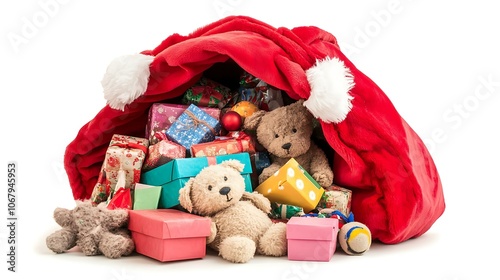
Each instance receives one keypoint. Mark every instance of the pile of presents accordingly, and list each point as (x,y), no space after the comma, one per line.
(145,174)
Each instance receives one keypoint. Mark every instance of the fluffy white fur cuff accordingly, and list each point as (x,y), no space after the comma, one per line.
(330,82)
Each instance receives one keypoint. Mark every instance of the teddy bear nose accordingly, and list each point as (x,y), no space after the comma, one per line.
(224,190)
(286,146)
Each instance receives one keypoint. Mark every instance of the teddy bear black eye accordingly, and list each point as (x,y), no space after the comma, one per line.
(225,178)
(276,135)
(209,187)
(294,130)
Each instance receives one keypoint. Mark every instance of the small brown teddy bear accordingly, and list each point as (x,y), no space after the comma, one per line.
(94,229)
(286,133)
(241,226)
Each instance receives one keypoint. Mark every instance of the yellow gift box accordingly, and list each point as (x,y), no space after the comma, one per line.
(292,185)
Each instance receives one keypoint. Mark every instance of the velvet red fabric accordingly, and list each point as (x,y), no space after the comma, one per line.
(397,190)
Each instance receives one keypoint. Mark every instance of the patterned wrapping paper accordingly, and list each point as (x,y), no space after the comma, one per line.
(220,147)
(127,153)
(207,93)
(258,92)
(161,153)
(285,212)
(231,144)
(193,126)
(162,115)
(336,198)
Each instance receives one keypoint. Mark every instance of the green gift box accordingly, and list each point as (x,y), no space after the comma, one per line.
(146,197)
(172,176)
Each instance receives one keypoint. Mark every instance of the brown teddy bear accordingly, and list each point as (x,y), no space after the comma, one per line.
(94,229)
(241,226)
(286,133)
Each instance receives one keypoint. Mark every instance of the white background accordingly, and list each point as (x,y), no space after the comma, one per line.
(430,59)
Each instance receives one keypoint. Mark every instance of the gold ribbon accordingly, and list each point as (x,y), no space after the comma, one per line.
(197,122)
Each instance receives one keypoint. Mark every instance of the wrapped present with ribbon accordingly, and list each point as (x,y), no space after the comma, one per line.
(124,154)
(207,93)
(233,143)
(193,126)
(336,198)
(163,152)
(162,115)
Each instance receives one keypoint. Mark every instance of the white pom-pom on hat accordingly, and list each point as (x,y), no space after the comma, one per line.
(126,79)
(330,82)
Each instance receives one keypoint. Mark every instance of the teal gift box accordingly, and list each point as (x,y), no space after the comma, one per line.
(173,175)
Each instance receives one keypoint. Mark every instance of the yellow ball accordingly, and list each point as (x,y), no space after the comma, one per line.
(355,238)
(245,108)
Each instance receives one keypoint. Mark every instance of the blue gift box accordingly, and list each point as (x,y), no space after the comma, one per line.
(193,126)
(172,176)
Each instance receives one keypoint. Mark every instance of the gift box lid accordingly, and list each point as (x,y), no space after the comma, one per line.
(168,223)
(312,228)
(190,167)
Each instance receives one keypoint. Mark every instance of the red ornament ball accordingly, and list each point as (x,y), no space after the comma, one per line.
(231,121)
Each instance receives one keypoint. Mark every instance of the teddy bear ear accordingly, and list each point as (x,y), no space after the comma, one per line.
(252,122)
(233,163)
(185,196)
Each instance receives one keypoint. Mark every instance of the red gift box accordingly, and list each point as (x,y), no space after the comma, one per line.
(169,234)
(233,143)
(161,153)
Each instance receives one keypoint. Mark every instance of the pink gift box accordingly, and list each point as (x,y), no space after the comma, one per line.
(169,234)
(311,238)
(162,115)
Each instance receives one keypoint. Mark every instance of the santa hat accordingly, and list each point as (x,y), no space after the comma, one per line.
(396,189)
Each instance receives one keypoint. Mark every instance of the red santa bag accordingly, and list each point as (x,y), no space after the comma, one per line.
(396,188)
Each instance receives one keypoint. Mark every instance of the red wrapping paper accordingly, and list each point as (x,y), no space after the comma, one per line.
(161,153)
(122,199)
(236,142)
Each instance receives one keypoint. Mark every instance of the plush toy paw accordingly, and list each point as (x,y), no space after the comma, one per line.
(61,241)
(268,172)
(237,249)
(114,246)
(88,244)
(213,233)
(273,242)
(323,179)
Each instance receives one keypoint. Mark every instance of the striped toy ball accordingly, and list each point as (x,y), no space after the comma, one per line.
(355,238)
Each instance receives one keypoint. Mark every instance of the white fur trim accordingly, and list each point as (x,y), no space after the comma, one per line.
(330,82)
(126,79)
